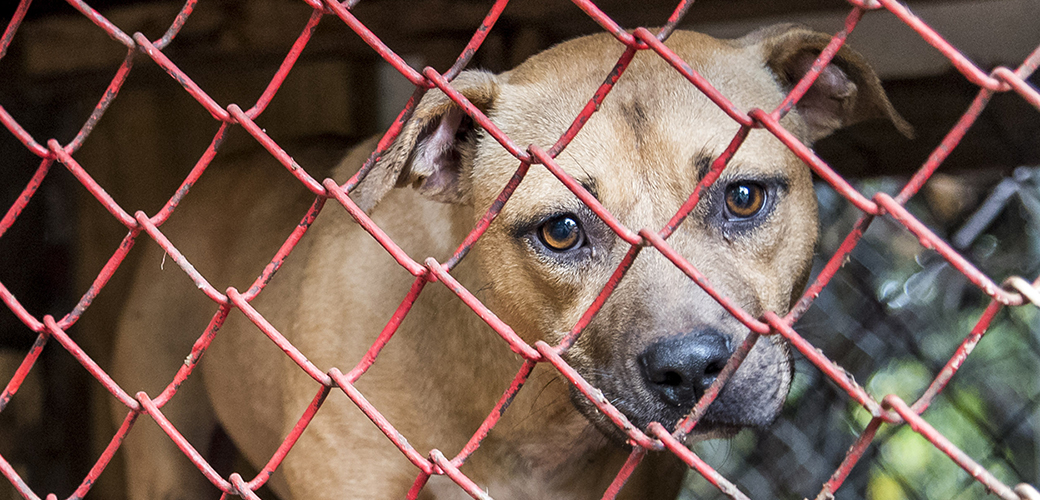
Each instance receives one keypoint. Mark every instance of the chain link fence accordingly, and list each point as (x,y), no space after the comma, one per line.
(895,286)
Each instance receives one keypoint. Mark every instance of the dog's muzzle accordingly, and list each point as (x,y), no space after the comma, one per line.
(678,370)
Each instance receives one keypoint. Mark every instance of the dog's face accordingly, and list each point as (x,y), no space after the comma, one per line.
(658,342)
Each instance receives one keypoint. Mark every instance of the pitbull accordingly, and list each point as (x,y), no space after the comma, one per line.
(653,349)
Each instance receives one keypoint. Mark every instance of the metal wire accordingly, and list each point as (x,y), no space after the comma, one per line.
(884,409)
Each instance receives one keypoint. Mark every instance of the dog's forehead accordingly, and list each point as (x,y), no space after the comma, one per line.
(654,133)
(569,73)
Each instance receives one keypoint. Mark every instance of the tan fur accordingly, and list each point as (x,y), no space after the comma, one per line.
(445,369)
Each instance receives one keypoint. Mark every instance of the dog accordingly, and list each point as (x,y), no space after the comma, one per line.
(653,349)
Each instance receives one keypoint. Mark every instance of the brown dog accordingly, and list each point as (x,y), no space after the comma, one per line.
(653,349)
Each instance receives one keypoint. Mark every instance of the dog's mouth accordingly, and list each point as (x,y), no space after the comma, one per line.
(712,425)
(662,385)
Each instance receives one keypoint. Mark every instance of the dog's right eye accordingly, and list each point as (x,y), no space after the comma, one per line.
(561,233)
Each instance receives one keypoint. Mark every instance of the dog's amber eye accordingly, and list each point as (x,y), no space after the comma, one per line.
(560,234)
(743,201)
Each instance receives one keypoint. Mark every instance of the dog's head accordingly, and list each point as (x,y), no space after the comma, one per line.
(659,340)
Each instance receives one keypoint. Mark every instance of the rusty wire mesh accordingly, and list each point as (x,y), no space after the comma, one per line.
(888,205)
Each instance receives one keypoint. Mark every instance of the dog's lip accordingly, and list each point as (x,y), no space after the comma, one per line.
(709,426)
(704,429)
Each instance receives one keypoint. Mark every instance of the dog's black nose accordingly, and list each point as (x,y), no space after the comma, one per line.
(679,369)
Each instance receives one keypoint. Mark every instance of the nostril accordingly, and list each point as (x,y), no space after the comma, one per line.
(680,369)
(670,378)
(711,373)
(715,368)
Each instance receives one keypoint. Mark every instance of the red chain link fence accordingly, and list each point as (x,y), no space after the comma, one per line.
(889,409)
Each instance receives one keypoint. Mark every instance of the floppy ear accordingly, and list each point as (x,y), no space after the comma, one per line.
(846,92)
(434,151)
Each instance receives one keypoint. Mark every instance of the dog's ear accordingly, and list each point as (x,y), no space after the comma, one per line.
(847,90)
(435,149)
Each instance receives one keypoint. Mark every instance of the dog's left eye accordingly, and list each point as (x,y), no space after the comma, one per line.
(744,200)
(561,233)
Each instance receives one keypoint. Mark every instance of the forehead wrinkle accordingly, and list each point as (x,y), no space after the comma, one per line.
(652,182)
(674,144)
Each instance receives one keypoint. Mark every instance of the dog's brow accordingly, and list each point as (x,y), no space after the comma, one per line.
(591,185)
(701,162)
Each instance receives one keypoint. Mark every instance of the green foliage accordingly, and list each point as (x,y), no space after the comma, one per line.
(907,461)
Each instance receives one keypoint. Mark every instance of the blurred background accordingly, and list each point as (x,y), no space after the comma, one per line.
(892,316)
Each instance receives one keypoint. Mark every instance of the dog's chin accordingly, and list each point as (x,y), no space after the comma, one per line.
(715,424)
